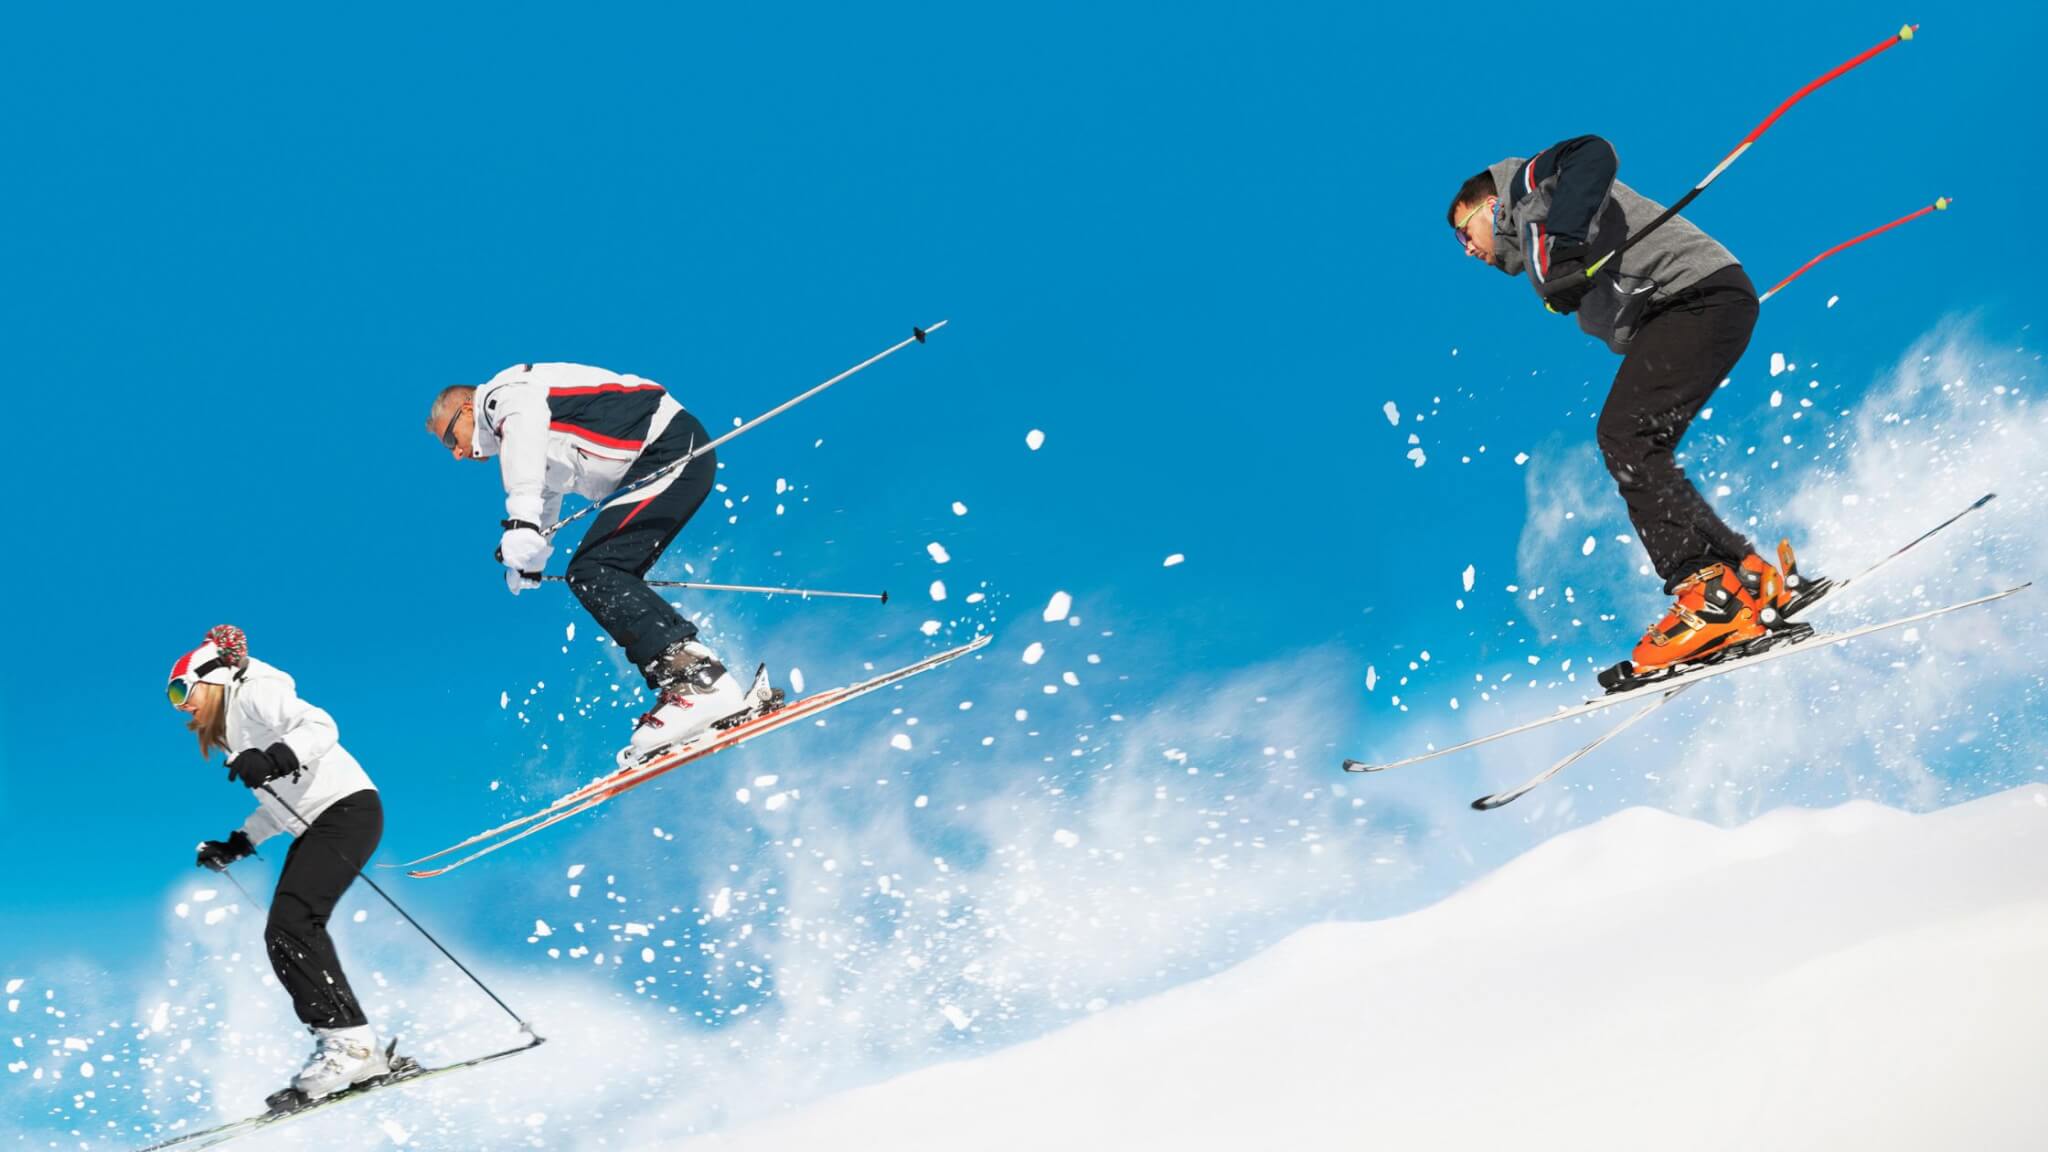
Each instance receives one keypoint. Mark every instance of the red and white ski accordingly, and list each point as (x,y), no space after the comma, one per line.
(607,786)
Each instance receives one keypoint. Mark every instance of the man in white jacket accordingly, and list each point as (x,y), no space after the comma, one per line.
(560,428)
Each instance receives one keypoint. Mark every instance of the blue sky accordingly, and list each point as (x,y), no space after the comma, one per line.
(1199,253)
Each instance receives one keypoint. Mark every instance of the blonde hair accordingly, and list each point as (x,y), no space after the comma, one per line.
(209,718)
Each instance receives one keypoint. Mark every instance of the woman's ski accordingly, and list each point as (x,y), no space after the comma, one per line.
(405,1072)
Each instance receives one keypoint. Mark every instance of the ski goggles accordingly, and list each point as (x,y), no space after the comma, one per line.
(180,688)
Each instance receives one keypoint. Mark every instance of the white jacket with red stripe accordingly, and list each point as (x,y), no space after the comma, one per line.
(263,708)
(559,428)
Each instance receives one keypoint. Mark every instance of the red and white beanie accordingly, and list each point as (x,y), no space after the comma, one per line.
(224,653)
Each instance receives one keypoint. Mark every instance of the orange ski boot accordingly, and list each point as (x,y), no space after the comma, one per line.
(1719,608)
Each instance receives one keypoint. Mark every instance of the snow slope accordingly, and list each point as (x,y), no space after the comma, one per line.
(1850,978)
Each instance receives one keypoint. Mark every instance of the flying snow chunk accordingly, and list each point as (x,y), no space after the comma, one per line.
(929,628)
(1057,607)
(575,870)
(1586,549)
(796,679)
(1777,363)
(938,589)
(1372,677)
(571,631)
(1832,299)
(959,509)
(1521,457)
(1393,413)
(959,1019)
(721,903)
(1034,439)
(900,741)
(541,928)
(1034,653)
(938,552)
(1174,559)
(504,700)
(1470,573)
(1777,398)
(1417,455)
(1065,839)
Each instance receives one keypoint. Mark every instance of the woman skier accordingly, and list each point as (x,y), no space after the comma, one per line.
(288,752)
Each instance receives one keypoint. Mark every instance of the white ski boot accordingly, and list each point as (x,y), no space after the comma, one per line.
(697,694)
(344,1057)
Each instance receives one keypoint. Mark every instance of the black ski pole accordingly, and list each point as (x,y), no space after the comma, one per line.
(917,336)
(806,593)
(305,825)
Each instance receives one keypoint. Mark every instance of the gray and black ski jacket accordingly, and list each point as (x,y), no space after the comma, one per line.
(1567,194)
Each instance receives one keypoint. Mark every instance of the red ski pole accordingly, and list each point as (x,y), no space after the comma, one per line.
(1940,205)
(1903,34)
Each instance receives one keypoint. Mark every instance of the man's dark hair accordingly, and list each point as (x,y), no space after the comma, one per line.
(1471,192)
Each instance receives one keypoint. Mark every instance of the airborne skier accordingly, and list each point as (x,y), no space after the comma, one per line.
(1679,310)
(288,752)
(559,428)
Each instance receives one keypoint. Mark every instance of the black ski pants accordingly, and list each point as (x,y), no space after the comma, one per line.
(320,866)
(1673,366)
(608,572)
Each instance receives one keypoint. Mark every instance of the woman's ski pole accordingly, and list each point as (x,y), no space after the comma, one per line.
(305,824)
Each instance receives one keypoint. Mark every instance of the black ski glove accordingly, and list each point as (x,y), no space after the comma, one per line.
(1568,282)
(218,854)
(255,767)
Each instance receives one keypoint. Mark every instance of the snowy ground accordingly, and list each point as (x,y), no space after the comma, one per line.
(1850,978)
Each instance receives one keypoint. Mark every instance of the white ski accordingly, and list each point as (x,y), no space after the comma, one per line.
(405,1072)
(1495,800)
(1685,679)
(605,787)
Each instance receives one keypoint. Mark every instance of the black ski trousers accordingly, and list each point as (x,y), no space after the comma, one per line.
(608,572)
(1673,366)
(320,866)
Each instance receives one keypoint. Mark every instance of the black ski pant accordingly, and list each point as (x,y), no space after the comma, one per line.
(608,572)
(320,866)
(1673,366)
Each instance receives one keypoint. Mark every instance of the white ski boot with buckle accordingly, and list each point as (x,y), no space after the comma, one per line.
(343,1058)
(697,694)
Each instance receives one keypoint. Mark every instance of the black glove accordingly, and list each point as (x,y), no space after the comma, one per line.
(255,767)
(1568,282)
(218,854)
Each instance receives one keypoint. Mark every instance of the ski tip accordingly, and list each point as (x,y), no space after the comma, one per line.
(885,595)
(1485,804)
(1906,31)
(1360,766)
(1986,498)
(917,332)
